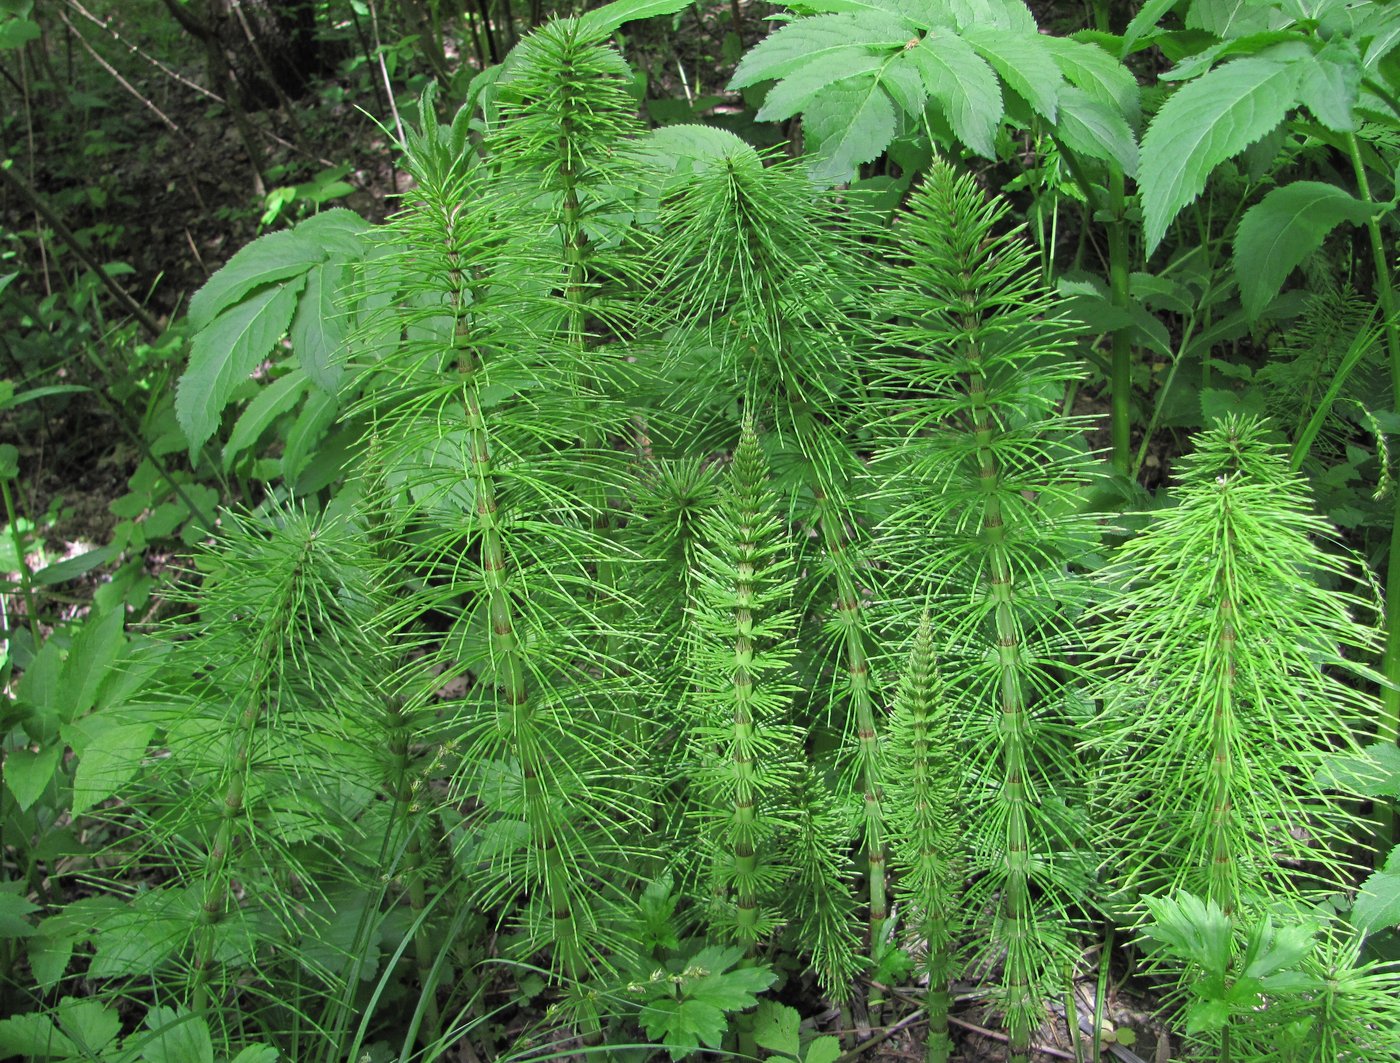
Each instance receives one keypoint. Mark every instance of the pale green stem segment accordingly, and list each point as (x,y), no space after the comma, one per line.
(218,873)
(849,611)
(1017,916)
(745,771)
(514,704)
(1224,872)
(412,875)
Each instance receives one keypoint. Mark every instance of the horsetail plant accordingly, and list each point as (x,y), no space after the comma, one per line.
(981,478)
(743,743)
(765,273)
(1229,654)
(925,766)
(476,401)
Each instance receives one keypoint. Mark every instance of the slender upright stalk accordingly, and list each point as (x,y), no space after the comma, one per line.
(1121,384)
(1388,725)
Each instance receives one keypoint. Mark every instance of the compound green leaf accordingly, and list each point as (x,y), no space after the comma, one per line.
(1232,18)
(274,257)
(1145,21)
(847,125)
(27,773)
(226,352)
(267,405)
(1090,127)
(339,232)
(48,955)
(1103,77)
(34,1036)
(817,40)
(904,86)
(90,1023)
(965,87)
(777,1028)
(1382,28)
(1024,62)
(1331,84)
(1281,230)
(319,325)
(90,660)
(1378,903)
(1001,14)
(112,751)
(178,1037)
(1204,123)
(13,909)
(912,12)
(797,90)
(603,20)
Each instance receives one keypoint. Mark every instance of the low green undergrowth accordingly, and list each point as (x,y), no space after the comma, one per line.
(678,598)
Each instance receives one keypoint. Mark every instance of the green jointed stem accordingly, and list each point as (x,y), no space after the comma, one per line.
(1223,876)
(1388,726)
(423,953)
(513,696)
(1016,900)
(923,824)
(1122,365)
(849,610)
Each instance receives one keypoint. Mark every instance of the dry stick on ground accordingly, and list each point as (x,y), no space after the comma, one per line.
(271,75)
(20,185)
(148,104)
(175,75)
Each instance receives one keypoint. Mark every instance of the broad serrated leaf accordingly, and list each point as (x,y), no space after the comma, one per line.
(90,660)
(1231,18)
(847,125)
(268,259)
(339,232)
(1145,21)
(777,1028)
(815,40)
(34,1037)
(27,773)
(1281,230)
(1204,123)
(911,12)
(90,1023)
(823,1050)
(319,325)
(1378,903)
(1100,75)
(683,1025)
(226,352)
(1024,62)
(267,405)
(901,81)
(178,1037)
(604,20)
(111,752)
(796,91)
(1089,127)
(1000,14)
(965,87)
(1331,84)
(48,957)
(13,909)
(140,938)
(1381,30)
